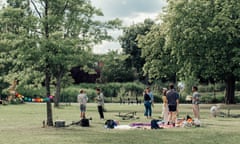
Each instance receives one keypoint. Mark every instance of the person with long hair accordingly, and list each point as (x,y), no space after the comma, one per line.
(164,105)
(148,102)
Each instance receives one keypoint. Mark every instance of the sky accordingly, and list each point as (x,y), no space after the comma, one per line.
(130,12)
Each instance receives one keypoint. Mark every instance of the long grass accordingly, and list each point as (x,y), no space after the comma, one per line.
(22,124)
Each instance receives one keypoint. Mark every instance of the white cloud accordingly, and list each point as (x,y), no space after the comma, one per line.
(2,3)
(130,12)
(106,47)
(125,8)
(138,18)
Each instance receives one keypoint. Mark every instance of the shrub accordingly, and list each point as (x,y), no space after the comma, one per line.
(111,91)
(32,92)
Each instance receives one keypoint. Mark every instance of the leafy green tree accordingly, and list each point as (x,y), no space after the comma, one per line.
(114,68)
(160,64)
(129,43)
(204,35)
(50,37)
(202,38)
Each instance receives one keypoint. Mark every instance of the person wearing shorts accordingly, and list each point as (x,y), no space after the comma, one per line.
(195,102)
(173,100)
(82,99)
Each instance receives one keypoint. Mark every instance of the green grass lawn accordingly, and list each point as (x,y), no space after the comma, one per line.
(22,124)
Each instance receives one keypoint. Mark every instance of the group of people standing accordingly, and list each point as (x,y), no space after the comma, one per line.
(170,107)
(170,100)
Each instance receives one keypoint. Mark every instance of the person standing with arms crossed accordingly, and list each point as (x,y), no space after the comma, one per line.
(82,99)
(100,102)
(195,102)
(173,101)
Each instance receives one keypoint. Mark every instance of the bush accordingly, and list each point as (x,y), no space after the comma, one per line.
(211,87)
(69,94)
(111,91)
(237,99)
(32,92)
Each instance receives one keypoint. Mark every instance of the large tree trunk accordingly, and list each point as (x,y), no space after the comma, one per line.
(47,71)
(49,105)
(58,90)
(230,89)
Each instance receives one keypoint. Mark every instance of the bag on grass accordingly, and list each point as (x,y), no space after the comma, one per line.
(85,123)
(110,124)
(154,124)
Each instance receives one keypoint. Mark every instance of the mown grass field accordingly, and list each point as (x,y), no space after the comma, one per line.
(22,124)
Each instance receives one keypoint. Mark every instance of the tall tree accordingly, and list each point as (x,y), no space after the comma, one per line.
(206,35)
(129,43)
(202,36)
(160,64)
(57,35)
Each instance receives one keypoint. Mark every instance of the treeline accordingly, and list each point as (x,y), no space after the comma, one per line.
(115,92)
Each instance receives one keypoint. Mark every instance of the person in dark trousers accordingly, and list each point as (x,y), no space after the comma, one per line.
(100,101)
(148,103)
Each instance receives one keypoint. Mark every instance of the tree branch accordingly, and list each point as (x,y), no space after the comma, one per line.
(65,6)
(35,7)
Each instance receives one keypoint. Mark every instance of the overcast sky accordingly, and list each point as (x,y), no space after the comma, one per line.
(130,12)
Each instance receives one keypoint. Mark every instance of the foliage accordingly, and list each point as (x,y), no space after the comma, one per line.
(129,43)
(114,68)
(56,35)
(159,62)
(110,90)
(196,30)
(197,39)
(188,84)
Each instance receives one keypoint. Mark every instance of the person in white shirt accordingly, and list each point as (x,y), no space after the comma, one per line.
(82,100)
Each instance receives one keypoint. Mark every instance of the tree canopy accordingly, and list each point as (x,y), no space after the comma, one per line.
(43,39)
(201,39)
(129,43)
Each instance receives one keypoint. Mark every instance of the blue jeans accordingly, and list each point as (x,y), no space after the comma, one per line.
(148,108)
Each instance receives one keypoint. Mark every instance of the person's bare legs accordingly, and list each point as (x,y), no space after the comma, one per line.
(169,118)
(174,118)
(81,115)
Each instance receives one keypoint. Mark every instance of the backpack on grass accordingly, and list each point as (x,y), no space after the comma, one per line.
(154,124)
(85,122)
(110,124)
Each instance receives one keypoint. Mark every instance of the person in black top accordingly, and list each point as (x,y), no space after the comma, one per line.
(173,101)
